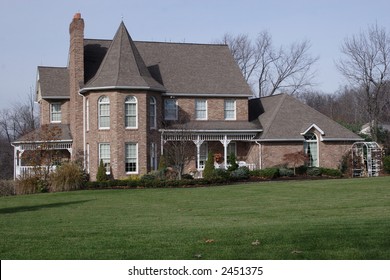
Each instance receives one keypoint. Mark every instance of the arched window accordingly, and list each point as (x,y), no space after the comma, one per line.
(311,149)
(104,112)
(152,113)
(131,112)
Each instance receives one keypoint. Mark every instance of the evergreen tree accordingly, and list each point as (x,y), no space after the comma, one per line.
(101,174)
(208,171)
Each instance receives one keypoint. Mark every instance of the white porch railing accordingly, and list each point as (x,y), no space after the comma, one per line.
(32,170)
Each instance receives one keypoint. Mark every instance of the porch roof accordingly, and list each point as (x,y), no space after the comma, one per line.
(50,133)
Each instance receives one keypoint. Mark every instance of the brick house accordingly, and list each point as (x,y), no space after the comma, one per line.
(123,102)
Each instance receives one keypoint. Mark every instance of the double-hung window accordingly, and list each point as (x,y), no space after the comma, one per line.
(170,109)
(55,112)
(104,155)
(201,109)
(230,109)
(152,113)
(104,112)
(131,112)
(131,157)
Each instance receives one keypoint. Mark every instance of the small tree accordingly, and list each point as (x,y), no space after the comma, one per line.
(209,167)
(232,162)
(296,159)
(101,174)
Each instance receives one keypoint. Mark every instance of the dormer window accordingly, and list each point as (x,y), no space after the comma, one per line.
(55,112)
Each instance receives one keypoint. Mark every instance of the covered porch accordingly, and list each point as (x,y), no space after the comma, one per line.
(38,157)
(221,144)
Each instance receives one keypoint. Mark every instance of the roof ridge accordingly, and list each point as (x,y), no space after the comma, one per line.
(276,111)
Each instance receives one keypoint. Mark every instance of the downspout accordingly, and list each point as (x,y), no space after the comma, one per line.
(260,154)
(84,133)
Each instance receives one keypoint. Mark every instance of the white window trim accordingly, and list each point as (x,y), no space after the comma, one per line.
(100,158)
(59,112)
(136,112)
(153,101)
(235,110)
(196,109)
(176,110)
(137,158)
(99,111)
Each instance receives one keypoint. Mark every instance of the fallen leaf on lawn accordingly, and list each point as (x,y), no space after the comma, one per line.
(256,243)
(210,241)
(296,252)
(198,256)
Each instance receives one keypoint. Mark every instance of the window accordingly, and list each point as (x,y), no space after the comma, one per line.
(231,149)
(230,109)
(310,146)
(55,112)
(170,109)
(104,155)
(200,109)
(104,112)
(152,113)
(131,157)
(131,112)
(153,156)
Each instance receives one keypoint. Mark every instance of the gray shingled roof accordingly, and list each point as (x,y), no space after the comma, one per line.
(49,132)
(53,82)
(177,68)
(195,68)
(285,118)
(123,66)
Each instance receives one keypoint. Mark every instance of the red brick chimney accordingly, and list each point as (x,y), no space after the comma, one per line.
(76,79)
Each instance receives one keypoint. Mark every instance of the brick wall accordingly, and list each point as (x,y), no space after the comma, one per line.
(215,108)
(45,111)
(117,135)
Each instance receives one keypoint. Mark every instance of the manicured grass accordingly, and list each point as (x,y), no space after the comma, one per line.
(321,219)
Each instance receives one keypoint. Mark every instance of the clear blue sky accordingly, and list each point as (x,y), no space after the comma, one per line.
(36,32)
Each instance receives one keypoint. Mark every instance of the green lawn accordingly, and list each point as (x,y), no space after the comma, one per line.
(320,219)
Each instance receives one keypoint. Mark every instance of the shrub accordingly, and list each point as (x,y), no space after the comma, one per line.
(101,175)
(301,170)
(330,172)
(209,167)
(187,177)
(314,171)
(386,164)
(267,173)
(220,173)
(233,165)
(69,176)
(286,172)
(27,184)
(7,187)
(240,173)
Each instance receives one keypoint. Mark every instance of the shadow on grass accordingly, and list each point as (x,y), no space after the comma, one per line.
(12,210)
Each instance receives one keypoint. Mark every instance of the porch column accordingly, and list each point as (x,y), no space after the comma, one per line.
(225,142)
(198,143)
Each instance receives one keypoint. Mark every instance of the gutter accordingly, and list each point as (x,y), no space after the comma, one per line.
(86,89)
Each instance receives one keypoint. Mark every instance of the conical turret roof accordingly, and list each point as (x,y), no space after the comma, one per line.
(123,66)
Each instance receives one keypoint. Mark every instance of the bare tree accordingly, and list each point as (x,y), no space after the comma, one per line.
(366,65)
(287,69)
(16,121)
